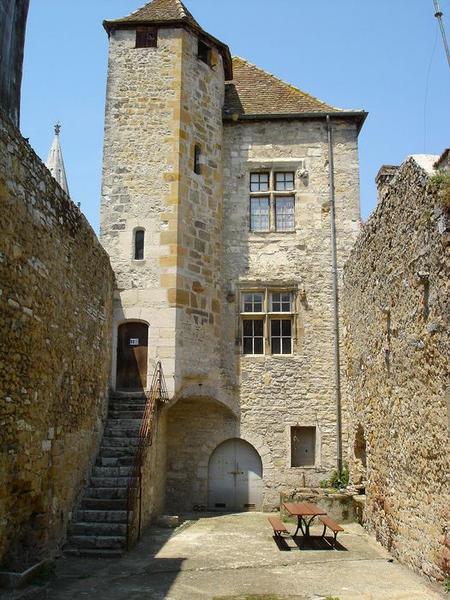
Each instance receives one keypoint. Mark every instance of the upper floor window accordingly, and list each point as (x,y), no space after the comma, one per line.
(146,37)
(197,159)
(204,52)
(139,239)
(272,201)
(267,322)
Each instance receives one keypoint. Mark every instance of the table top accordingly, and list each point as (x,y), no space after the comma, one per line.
(303,508)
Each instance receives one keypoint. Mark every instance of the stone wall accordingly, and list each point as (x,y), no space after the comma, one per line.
(278,392)
(55,327)
(395,307)
(13,19)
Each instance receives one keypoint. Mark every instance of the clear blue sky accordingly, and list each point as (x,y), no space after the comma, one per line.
(376,55)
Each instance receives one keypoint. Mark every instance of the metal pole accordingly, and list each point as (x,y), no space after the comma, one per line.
(438,14)
(334,272)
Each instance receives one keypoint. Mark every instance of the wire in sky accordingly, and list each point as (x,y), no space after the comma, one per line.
(427,85)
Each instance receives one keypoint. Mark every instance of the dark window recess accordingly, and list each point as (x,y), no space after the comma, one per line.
(146,37)
(253,336)
(139,237)
(303,446)
(204,52)
(197,160)
(281,336)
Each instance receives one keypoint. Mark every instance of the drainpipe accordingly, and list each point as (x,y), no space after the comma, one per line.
(334,274)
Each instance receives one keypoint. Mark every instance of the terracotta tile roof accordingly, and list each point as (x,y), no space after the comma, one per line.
(160,11)
(256,92)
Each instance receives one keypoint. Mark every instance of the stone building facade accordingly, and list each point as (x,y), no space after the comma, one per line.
(216,217)
(55,331)
(395,304)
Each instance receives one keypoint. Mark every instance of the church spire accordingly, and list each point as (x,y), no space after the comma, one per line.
(55,162)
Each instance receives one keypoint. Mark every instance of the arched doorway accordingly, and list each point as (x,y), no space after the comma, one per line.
(235,477)
(132,346)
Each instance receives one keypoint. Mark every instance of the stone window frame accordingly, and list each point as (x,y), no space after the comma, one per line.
(133,244)
(272,195)
(318,445)
(146,37)
(271,166)
(267,315)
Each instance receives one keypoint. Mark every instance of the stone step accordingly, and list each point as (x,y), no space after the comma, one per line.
(114,461)
(103,542)
(109,482)
(127,405)
(101,516)
(120,430)
(119,442)
(111,471)
(132,395)
(118,452)
(105,504)
(106,493)
(125,414)
(97,529)
(93,553)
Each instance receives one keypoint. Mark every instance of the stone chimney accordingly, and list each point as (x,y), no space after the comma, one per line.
(384,178)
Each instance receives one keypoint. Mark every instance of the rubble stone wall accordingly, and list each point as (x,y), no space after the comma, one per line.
(395,307)
(276,393)
(55,330)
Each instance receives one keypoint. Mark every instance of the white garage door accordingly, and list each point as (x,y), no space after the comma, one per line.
(235,477)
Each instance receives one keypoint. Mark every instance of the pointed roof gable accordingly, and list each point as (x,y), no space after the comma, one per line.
(254,92)
(55,161)
(160,11)
(171,13)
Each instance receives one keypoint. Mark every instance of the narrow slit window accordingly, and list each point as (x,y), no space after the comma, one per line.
(139,239)
(197,159)
(146,37)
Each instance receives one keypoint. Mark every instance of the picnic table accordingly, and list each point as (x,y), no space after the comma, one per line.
(305,512)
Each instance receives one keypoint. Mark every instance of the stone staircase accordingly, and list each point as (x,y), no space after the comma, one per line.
(98,526)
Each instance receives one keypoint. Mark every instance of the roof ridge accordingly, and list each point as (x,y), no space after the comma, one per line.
(287,84)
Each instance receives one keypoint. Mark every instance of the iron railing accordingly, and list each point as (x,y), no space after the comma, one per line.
(158,394)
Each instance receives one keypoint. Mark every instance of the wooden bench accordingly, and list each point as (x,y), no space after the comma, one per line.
(335,528)
(277,526)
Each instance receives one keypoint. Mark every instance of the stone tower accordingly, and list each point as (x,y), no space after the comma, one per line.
(219,218)
(162,191)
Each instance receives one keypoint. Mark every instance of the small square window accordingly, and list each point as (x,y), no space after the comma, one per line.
(204,52)
(259,182)
(259,214)
(284,182)
(281,302)
(284,213)
(146,37)
(252,302)
(253,336)
(303,446)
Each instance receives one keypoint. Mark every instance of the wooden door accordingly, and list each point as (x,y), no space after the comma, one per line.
(235,477)
(132,345)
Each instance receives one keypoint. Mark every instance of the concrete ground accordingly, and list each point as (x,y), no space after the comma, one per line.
(235,556)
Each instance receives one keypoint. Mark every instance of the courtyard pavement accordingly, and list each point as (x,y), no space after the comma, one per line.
(235,556)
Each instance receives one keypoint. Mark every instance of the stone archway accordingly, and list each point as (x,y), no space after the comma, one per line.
(235,477)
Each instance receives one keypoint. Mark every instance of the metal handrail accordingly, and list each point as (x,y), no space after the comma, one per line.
(158,393)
